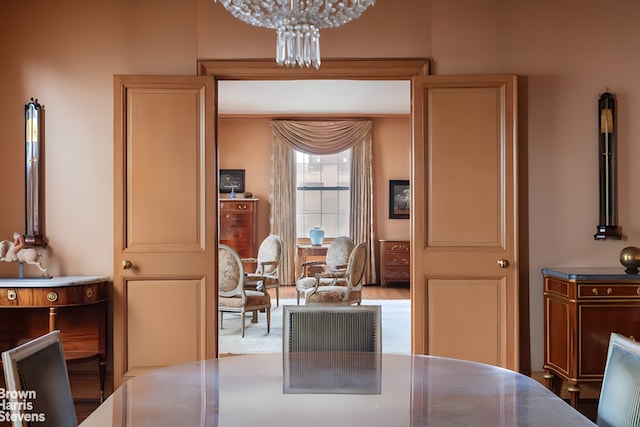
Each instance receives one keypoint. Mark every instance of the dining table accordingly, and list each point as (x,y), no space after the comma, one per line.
(332,389)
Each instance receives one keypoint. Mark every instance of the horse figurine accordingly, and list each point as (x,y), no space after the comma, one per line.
(15,251)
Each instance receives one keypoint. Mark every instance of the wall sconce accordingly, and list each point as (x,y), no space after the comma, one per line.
(33,203)
(607,227)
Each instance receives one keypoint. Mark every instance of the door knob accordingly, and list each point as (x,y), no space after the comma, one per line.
(126,264)
(503,263)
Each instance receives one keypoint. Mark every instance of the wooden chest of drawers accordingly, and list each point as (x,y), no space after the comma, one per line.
(581,309)
(395,264)
(238,225)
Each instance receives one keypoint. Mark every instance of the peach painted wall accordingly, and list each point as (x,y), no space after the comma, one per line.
(65,54)
(245,143)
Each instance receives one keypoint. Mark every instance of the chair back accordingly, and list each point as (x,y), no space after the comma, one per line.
(619,403)
(230,272)
(313,328)
(36,378)
(338,253)
(356,266)
(270,251)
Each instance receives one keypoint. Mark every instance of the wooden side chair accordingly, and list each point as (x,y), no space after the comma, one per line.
(332,349)
(37,371)
(619,403)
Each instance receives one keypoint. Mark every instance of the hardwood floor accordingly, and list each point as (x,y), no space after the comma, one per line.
(368,292)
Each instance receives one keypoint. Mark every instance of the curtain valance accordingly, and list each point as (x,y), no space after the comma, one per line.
(321,137)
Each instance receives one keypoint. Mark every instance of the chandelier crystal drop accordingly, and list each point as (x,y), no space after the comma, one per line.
(298,23)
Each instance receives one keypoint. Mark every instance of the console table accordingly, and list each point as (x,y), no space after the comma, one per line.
(75,305)
(582,306)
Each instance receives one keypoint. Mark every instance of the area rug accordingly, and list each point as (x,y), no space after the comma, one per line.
(396,329)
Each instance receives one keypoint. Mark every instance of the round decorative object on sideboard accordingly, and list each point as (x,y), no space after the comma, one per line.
(316,235)
(630,258)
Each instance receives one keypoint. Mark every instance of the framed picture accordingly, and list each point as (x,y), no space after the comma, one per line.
(231,179)
(399,199)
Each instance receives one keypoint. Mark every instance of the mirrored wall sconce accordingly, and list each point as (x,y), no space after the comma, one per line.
(607,227)
(33,182)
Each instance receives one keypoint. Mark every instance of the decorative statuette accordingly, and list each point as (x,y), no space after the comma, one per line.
(630,258)
(11,251)
(316,234)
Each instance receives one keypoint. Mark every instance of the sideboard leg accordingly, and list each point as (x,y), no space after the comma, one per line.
(550,381)
(574,394)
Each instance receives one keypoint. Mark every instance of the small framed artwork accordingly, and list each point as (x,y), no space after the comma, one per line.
(399,199)
(231,179)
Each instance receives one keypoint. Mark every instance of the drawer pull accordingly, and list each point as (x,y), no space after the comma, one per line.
(609,291)
(52,296)
(89,293)
(12,295)
(242,206)
(638,291)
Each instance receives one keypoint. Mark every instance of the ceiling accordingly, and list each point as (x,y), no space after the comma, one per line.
(304,97)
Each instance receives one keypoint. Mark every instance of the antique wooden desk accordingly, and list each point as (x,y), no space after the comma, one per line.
(582,306)
(75,305)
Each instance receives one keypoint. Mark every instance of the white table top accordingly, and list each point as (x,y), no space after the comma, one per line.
(391,390)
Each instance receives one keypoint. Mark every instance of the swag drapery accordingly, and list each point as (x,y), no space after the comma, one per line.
(319,138)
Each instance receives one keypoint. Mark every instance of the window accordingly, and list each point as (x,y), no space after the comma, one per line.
(323,193)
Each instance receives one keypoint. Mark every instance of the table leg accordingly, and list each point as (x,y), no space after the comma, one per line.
(53,314)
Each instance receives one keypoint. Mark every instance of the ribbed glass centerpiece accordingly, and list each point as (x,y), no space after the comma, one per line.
(298,23)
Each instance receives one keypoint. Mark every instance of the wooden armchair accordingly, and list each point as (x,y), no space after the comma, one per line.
(343,290)
(232,296)
(334,265)
(267,273)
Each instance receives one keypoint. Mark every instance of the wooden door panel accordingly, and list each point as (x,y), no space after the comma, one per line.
(464,218)
(471,311)
(165,187)
(163,323)
(465,205)
(165,222)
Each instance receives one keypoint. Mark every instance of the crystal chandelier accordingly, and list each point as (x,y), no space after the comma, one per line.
(298,23)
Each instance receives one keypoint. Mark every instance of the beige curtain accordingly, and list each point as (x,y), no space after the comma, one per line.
(322,137)
(282,200)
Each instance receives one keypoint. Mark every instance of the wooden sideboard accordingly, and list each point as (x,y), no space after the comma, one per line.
(75,305)
(395,261)
(581,309)
(239,225)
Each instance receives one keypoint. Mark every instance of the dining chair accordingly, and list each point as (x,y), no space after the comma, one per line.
(343,290)
(619,403)
(313,328)
(334,265)
(267,272)
(232,296)
(37,380)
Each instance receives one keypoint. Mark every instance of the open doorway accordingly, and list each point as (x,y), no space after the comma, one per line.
(255,75)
